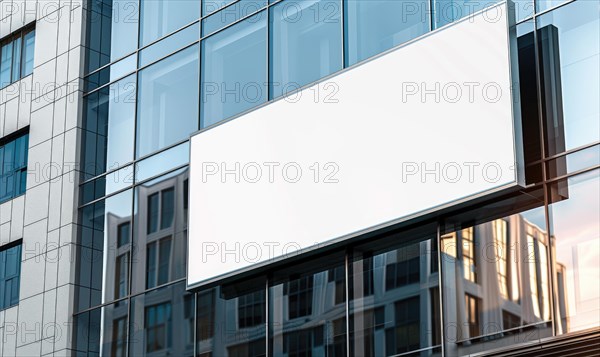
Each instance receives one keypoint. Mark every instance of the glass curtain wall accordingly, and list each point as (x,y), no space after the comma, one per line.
(511,268)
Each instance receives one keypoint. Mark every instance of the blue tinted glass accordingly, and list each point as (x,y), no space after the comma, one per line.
(523,8)
(161,17)
(121,122)
(165,161)
(123,67)
(376,26)
(21,145)
(28,50)
(6,64)
(10,276)
(119,179)
(16,70)
(234,70)
(548,4)
(231,14)
(210,6)
(170,44)
(13,167)
(447,11)
(168,101)
(306,40)
(124,27)
(570,46)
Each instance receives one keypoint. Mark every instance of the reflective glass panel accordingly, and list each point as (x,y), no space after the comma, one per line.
(161,17)
(162,162)
(569,43)
(542,5)
(103,263)
(234,71)
(109,127)
(160,232)
(231,320)
(28,52)
(306,43)
(497,286)
(395,297)
(210,6)
(123,27)
(6,59)
(168,101)
(162,323)
(231,14)
(121,121)
(169,44)
(447,11)
(375,26)
(16,65)
(576,161)
(307,311)
(103,331)
(575,227)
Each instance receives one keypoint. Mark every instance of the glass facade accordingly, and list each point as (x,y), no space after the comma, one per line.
(522,266)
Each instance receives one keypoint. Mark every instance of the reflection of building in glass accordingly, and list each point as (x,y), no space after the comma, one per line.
(159,243)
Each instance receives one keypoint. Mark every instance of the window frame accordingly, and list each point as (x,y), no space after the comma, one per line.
(17,41)
(17,246)
(15,170)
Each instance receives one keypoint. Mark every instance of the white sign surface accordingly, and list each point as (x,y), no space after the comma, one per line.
(419,128)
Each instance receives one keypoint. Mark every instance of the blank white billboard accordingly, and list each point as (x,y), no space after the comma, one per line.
(422,127)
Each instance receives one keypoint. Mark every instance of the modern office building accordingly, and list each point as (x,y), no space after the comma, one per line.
(133,220)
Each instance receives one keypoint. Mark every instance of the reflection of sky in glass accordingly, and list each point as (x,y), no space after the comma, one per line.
(120,205)
(537,217)
(579,42)
(576,227)
(169,159)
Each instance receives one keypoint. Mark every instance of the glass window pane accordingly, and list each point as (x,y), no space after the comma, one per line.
(161,17)
(162,162)
(153,213)
(210,6)
(159,254)
(167,208)
(168,101)
(98,280)
(123,67)
(164,260)
(16,70)
(447,11)
(28,52)
(103,331)
(121,122)
(169,44)
(118,180)
(576,161)
(234,70)
(306,40)
(390,303)
(236,312)
(512,287)
(570,66)
(576,230)
(305,314)
(548,4)
(123,26)
(6,64)
(231,14)
(375,26)
(161,324)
